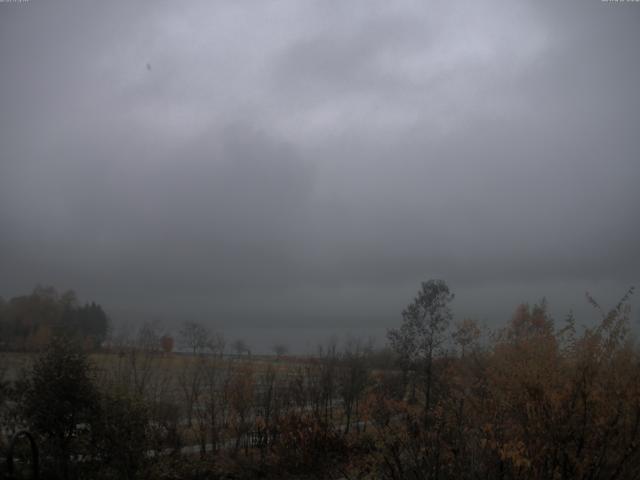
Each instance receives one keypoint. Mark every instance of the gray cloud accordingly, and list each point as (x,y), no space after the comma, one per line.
(302,166)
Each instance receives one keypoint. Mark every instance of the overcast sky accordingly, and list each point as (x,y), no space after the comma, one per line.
(293,169)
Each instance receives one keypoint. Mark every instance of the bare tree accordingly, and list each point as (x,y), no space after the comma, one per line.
(148,337)
(268,406)
(194,336)
(211,403)
(353,378)
(136,367)
(190,380)
(422,333)
(217,344)
(241,401)
(240,347)
(321,375)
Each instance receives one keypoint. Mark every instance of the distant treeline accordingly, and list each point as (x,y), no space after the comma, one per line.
(28,322)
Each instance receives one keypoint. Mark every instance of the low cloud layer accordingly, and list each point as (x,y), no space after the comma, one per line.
(301,166)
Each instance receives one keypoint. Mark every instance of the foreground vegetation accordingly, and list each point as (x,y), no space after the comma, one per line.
(533,400)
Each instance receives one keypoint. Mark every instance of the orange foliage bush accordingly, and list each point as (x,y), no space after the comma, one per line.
(539,402)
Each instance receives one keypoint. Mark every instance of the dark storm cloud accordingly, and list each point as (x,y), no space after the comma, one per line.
(307,164)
